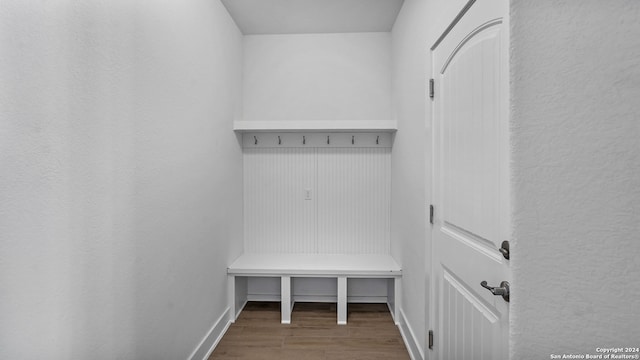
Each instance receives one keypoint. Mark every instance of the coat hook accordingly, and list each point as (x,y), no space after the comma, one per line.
(279,141)
(327,139)
(378,140)
(353,140)
(304,140)
(255,140)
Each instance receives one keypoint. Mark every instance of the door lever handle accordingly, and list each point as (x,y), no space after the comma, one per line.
(502,290)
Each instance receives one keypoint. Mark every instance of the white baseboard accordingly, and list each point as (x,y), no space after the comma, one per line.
(319,298)
(213,337)
(239,310)
(393,315)
(315,298)
(409,338)
(367,299)
(263,297)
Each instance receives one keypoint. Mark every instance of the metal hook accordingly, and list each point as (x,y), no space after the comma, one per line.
(353,140)
(304,140)
(255,140)
(328,140)
(378,140)
(279,141)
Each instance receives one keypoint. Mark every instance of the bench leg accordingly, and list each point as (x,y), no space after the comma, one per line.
(342,300)
(231,288)
(397,289)
(285,299)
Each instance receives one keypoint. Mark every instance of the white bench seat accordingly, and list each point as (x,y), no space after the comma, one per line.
(342,267)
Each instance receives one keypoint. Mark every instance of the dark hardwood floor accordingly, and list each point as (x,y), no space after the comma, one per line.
(313,334)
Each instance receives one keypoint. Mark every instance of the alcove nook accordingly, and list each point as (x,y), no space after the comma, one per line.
(317,131)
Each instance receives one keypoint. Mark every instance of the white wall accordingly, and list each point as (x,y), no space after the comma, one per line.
(121,182)
(317,77)
(418,25)
(576,176)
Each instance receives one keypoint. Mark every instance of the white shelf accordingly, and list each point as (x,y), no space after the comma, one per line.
(317,125)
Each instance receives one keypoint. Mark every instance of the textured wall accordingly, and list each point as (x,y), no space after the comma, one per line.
(121,179)
(576,176)
(317,77)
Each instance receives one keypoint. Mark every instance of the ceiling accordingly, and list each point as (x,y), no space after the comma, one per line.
(313,16)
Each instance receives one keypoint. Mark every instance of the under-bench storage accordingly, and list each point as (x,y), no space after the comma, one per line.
(340,267)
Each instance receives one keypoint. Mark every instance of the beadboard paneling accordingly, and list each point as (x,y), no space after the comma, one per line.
(353,200)
(348,212)
(277,217)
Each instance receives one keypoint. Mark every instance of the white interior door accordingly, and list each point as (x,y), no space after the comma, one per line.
(471,185)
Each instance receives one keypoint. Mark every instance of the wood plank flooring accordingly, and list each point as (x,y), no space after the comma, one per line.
(312,335)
